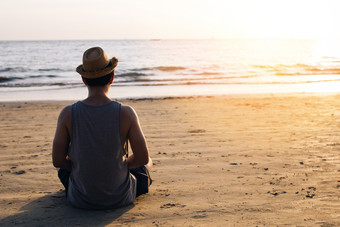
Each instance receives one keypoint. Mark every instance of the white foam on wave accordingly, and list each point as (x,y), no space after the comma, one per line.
(137,92)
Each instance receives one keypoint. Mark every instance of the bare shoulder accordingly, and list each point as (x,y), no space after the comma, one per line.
(66,111)
(129,121)
(65,115)
(64,124)
(128,113)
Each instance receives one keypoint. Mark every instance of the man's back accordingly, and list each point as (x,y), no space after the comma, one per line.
(100,176)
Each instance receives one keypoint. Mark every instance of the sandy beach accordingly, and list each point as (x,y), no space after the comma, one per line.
(268,160)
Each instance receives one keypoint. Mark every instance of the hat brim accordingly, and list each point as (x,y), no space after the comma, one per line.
(98,73)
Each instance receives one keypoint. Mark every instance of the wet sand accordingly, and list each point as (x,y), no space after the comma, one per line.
(229,160)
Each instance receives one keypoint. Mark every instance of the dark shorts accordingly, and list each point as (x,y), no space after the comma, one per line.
(143,179)
(141,174)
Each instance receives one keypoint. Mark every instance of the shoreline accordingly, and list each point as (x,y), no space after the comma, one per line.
(138,92)
(160,98)
(241,160)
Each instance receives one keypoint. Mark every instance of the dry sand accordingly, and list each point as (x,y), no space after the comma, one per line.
(219,161)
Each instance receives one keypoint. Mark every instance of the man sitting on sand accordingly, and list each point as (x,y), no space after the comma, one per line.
(90,143)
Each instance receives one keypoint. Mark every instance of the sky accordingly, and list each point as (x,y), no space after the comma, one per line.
(168,19)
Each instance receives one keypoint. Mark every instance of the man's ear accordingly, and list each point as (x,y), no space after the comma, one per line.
(112,77)
(84,80)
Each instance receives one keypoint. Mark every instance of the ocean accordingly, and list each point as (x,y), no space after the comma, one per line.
(45,70)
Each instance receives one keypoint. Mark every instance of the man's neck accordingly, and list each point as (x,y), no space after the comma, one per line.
(98,95)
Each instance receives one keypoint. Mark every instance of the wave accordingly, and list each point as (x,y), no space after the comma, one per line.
(209,73)
(13,69)
(39,76)
(310,71)
(169,68)
(4,79)
(280,66)
(41,84)
(307,73)
(300,69)
(21,69)
(162,82)
(192,82)
(131,74)
(51,69)
(162,68)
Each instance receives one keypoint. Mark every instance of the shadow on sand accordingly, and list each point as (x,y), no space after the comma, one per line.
(54,210)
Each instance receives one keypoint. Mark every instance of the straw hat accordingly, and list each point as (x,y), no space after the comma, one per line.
(96,64)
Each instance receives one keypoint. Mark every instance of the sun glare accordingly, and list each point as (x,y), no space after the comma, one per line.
(283,19)
(324,48)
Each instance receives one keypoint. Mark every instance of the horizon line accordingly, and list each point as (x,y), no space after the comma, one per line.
(160,39)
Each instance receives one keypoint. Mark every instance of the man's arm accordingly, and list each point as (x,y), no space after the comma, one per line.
(136,138)
(62,140)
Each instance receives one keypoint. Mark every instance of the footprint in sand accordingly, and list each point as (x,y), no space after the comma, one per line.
(19,172)
(170,205)
(310,192)
(199,216)
(197,131)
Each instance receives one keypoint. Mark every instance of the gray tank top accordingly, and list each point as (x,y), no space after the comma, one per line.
(100,177)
